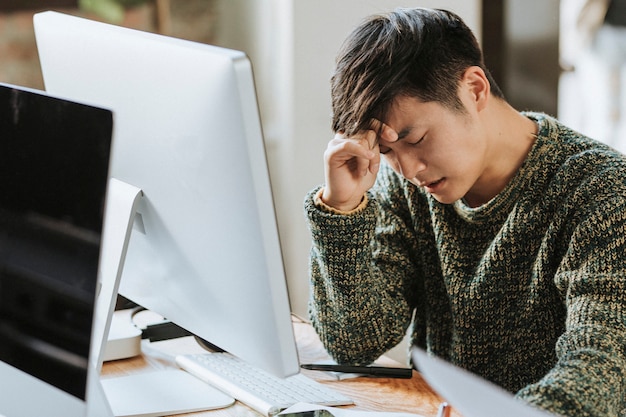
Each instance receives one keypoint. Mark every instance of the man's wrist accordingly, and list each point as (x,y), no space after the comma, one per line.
(319,202)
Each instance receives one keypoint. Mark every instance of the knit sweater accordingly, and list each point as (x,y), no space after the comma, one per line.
(527,290)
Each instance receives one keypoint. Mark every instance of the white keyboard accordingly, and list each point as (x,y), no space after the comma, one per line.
(255,387)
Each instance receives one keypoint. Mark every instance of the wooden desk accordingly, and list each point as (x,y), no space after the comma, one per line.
(371,394)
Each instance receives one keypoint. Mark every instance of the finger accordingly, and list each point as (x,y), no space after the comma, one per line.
(383,131)
(374,163)
(350,155)
(357,146)
(362,166)
(362,136)
(387,133)
(370,137)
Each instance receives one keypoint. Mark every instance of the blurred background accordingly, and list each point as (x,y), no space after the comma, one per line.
(292,44)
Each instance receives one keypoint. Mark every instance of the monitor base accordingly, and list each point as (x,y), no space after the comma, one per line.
(160,393)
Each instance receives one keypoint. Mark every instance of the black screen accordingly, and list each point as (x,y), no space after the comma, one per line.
(54,160)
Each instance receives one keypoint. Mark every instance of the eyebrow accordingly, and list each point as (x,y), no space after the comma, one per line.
(404,133)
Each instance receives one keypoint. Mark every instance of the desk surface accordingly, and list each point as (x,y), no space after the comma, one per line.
(371,394)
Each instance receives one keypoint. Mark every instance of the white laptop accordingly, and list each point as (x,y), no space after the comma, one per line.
(471,395)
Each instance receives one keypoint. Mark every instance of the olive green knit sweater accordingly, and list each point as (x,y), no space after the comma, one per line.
(528,290)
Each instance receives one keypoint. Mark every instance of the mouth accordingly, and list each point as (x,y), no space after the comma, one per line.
(433,186)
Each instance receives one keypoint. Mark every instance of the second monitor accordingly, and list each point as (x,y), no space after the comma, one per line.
(205,251)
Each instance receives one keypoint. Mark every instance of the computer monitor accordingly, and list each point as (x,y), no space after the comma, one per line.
(54,160)
(204,251)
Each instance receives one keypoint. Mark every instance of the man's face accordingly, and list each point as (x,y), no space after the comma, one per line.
(437,148)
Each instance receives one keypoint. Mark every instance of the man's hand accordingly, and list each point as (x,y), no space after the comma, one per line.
(351,165)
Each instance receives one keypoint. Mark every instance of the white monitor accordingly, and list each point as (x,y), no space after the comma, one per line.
(204,251)
(54,160)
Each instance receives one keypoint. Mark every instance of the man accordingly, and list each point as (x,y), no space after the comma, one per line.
(497,238)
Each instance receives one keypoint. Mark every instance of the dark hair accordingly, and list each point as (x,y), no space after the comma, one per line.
(416,52)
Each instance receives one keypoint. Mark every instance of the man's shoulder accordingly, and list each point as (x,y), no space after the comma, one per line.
(566,148)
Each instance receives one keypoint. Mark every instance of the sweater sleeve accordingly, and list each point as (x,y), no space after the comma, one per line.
(361,274)
(589,376)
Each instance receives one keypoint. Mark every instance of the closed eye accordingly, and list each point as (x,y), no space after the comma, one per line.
(383,149)
(408,136)
(418,142)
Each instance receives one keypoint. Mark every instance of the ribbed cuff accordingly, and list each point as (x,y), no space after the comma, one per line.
(317,199)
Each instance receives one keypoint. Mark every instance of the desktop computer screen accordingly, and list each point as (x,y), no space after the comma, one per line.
(204,251)
(54,160)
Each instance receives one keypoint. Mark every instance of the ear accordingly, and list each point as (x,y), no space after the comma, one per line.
(477,87)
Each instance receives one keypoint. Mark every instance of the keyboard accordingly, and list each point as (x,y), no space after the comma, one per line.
(255,387)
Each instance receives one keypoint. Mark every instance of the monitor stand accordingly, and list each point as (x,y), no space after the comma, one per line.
(157,392)
(97,402)
(161,392)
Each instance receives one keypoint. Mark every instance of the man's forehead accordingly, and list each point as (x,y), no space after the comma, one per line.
(408,114)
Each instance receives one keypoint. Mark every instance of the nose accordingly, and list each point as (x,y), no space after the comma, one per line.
(410,165)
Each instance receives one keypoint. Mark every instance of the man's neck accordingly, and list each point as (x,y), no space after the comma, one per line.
(511,136)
